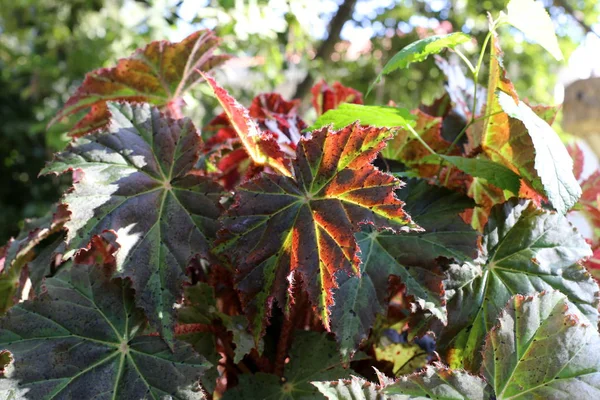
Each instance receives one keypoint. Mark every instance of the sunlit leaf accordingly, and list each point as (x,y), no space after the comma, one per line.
(543,348)
(407,358)
(531,18)
(420,50)
(354,388)
(525,250)
(281,227)
(136,181)
(262,147)
(410,256)
(440,383)
(376,116)
(83,338)
(158,74)
(552,161)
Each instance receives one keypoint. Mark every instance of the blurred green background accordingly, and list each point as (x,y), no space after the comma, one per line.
(47,46)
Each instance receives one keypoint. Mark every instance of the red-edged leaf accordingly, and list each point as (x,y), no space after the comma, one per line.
(157,74)
(274,115)
(278,116)
(262,147)
(578,159)
(280,227)
(328,98)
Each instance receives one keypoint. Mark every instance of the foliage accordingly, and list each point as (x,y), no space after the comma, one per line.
(261,258)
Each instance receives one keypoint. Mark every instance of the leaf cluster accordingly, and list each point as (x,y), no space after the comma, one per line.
(273,260)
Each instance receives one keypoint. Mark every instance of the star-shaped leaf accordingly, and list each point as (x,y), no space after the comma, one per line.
(410,256)
(313,357)
(137,181)
(83,339)
(158,74)
(280,227)
(525,250)
(543,348)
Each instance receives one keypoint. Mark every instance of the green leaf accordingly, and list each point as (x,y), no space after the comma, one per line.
(158,74)
(543,348)
(407,358)
(354,388)
(377,116)
(440,383)
(136,181)
(531,18)
(82,338)
(313,357)
(552,161)
(494,173)
(409,256)
(281,229)
(525,250)
(420,50)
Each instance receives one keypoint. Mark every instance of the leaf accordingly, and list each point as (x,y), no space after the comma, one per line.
(280,228)
(494,173)
(273,115)
(419,51)
(313,357)
(24,251)
(578,157)
(201,308)
(525,250)
(158,74)
(543,348)
(552,161)
(137,181)
(325,98)
(410,256)
(82,338)
(354,388)
(404,147)
(440,383)
(375,116)
(407,358)
(262,148)
(531,18)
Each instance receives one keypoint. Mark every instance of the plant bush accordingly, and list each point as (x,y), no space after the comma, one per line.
(427,252)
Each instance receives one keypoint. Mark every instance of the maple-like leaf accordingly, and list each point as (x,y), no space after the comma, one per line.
(525,250)
(440,383)
(84,337)
(280,227)
(325,98)
(543,348)
(262,147)
(135,179)
(410,256)
(158,74)
(313,357)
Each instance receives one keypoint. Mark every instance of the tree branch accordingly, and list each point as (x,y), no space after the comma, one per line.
(576,15)
(344,13)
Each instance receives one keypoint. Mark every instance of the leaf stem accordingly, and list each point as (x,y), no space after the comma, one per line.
(420,139)
(465,59)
